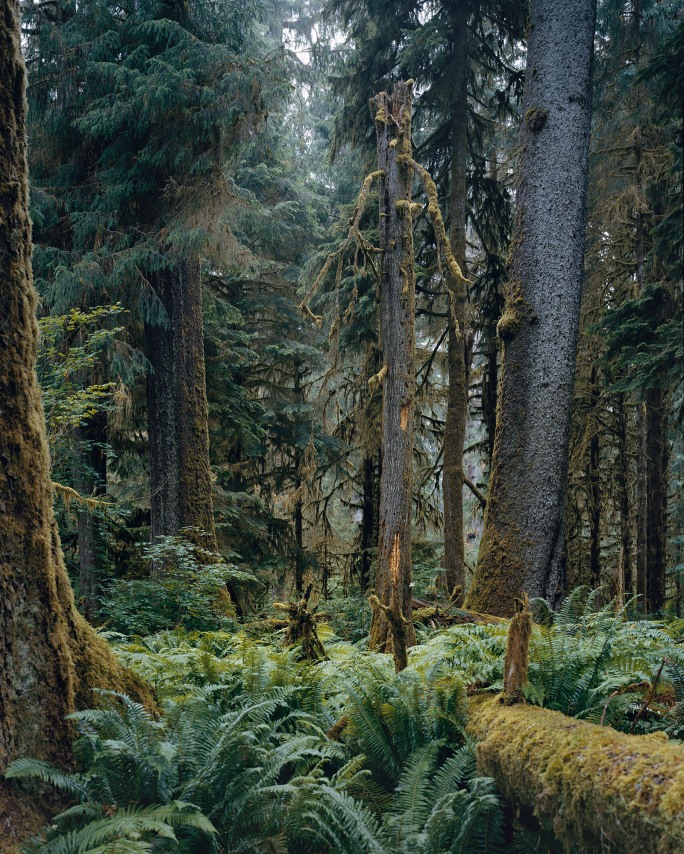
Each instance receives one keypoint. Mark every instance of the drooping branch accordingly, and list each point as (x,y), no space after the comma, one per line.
(353,236)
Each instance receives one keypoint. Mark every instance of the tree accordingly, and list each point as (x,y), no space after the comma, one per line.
(522,547)
(392,627)
(132,147)
(51,656)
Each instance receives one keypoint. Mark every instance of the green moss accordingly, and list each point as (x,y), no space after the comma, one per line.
(500,573)
(517,312)
(593,786)
(535,118)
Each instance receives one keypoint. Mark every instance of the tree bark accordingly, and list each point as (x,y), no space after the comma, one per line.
(50,658)
(180,477)
(457,399)
(397,309)
(523,542)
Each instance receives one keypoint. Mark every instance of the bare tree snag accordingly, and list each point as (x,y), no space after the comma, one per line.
(517,652)
(301,626)
(50,658)
(392,115)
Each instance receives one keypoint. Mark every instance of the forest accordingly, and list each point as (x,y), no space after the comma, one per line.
(341,426)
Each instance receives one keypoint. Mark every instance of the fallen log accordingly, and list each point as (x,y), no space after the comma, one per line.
(589,784)
(438,616)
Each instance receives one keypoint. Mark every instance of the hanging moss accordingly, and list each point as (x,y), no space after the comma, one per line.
(592,786)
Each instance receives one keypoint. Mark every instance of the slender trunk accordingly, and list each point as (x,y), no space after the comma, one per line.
(457,400)
(625,579)
(397,309)
(90,480)
(594,485)
(180,478)
(50,658)
(523,542)
(656,488)
(298,515)
(490,380)
(368,526)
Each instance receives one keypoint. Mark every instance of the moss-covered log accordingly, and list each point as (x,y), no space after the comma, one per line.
(589,784)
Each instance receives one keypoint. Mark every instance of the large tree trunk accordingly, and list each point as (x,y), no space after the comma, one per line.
(457,400)
(595,788)
(180,478)
(50,658)
(523,542)
(397,309)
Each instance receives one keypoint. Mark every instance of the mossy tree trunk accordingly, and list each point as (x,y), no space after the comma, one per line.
(523,542)
(50,658)
(180,477)
(458,351)
(397,310)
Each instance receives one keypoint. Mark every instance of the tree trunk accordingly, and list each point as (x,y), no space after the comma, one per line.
(368,526)
(626,575)
(180,478)
(397,310)
(656,490)
(457,399)
(298,514)
(594,484)
(50,658)
(90,480)
(523,542)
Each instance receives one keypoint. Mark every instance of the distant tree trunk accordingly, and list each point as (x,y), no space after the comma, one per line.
(397,309)
(298,515)
(50,658)
(457,399)
(626,575)
(368,527)
(523,542)
(180,479)
(90,480)
(490,382)
(594,484)
(656,490)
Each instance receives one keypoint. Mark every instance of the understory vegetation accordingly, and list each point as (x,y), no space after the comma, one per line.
(254,749)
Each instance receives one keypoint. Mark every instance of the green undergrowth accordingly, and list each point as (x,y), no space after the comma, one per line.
(258,751)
